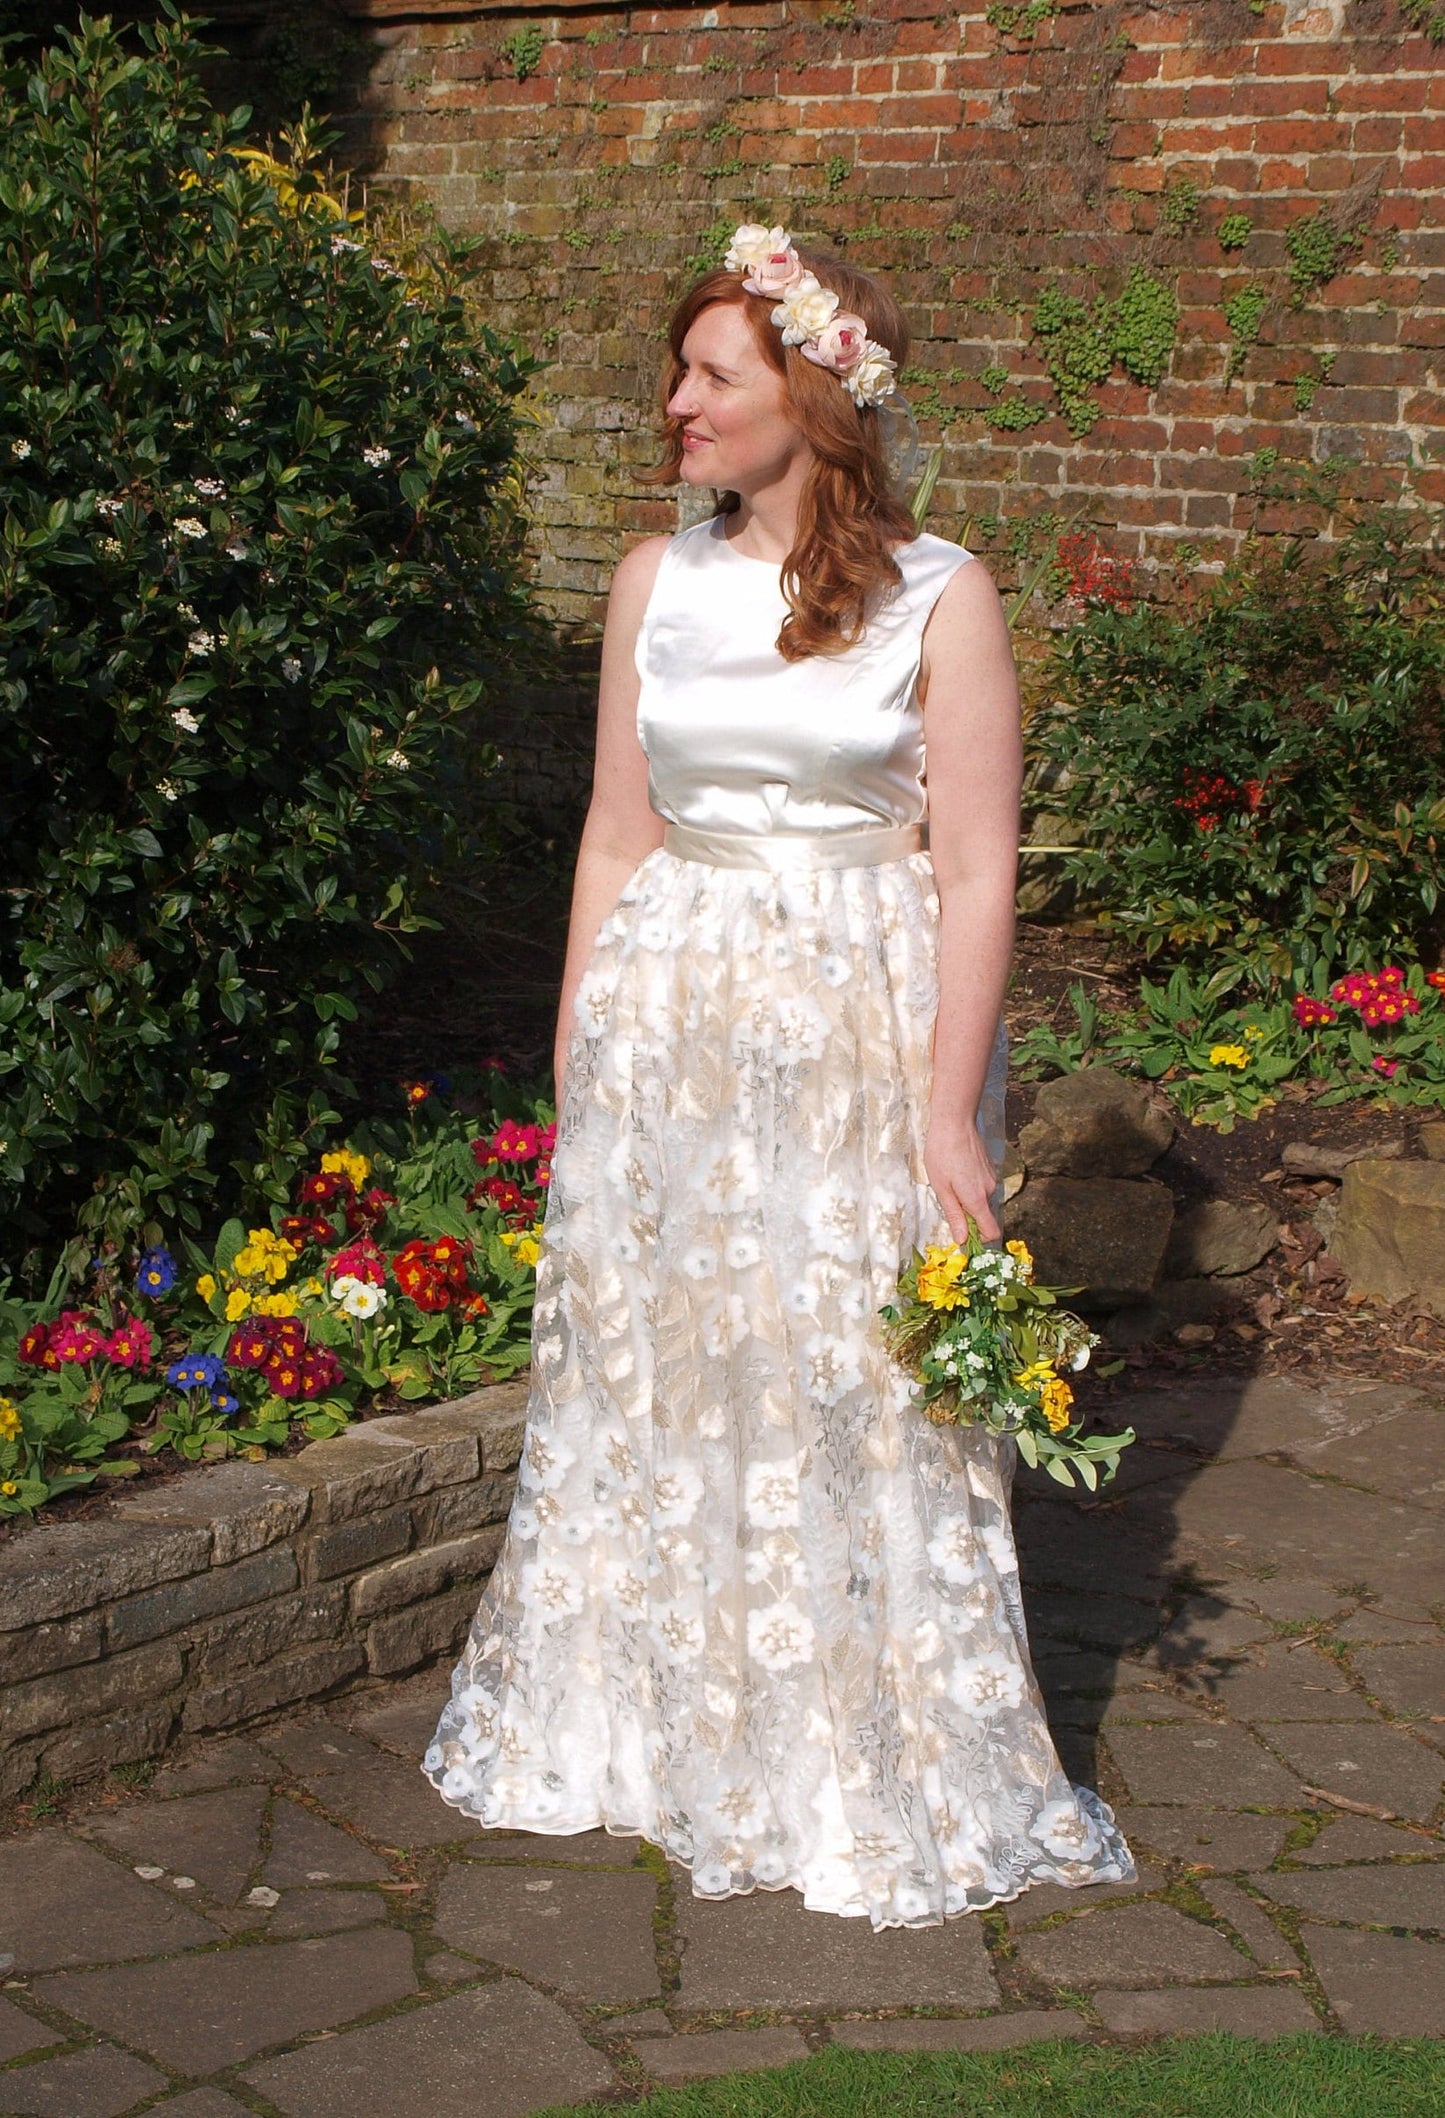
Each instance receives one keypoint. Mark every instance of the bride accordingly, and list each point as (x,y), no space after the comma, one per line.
(752,1604)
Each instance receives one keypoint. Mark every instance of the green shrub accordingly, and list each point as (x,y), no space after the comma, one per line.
(1260,781)
(260,555)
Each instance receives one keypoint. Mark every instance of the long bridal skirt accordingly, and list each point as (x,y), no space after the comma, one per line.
(752,1605)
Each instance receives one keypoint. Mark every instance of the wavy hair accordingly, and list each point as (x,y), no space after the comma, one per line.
(849,514)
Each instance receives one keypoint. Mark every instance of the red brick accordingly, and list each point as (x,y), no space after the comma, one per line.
(904,113)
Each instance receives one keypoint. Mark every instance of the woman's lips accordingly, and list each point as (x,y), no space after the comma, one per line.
(695,441)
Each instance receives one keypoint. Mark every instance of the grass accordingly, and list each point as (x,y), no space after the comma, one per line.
(1196,2077)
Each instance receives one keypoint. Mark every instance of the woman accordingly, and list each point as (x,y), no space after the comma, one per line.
(752,1604)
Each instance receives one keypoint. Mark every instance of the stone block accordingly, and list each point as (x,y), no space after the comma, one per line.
(58,1568)
(99,2082)
(362,1471)
(43,1648)
(243,1639)
(713,2052)
(392,1804)
(64,1903)
(1220,1238)
(1095,1123)
(1222,1839)
(346,1546)
(424,1573)
(1365,1764)
(114,1739)
(20,2032)
(324,1912)
(584,1932)
(18,1765)
(767,1951)
(1045,1899)
(520,2045)
(966,2033)
(1400,1895)
(1303,1158)
(1361,1838)
(1185,2011)
(453,1510)
(179,1604)
(445,1435)
(1390,1236)
(415,1635)
(305,1675)
(1410,1680)
(306,1849)
(1104,1235)
(1251,1923)
(213,1837)
(243,1505)
(1381,1983)
(1130,1945)
(1196,1764)
(202,2012)
(94,1689)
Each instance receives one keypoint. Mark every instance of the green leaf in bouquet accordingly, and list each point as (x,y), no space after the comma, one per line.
(229,1243)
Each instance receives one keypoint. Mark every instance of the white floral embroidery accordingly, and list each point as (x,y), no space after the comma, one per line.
(779,1636)
(676,1492)
(771,1494)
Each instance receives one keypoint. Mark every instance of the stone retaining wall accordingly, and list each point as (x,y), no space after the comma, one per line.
(243,1587)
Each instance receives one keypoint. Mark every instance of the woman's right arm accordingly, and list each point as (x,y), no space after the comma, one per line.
(621,828)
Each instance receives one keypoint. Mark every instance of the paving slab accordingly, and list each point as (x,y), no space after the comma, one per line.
(1384,1983)
(1365,1764)
(1045,1899)
(215,1765)
(99,2082)
(407,1725)
(584,1932)
(1402,1894)
(202,2103)
(214,1837)
(1251,1923)
(203,2012)
(391,1802)
(20,2032)
(1196,1765)
(500,2049)
(1148,1706)
(1403,1459)
(714,2052)
(305,1747)
(766,1951)
(1222,1839)
(1409,1680)
(447,1969)
(324,1912)
(1360,1838)
(1373,1627)
(306,1849)
(66,1904)
(645,2022)
(1205,1630)
(975,2033)
(1186,2011)
(1130,1945)
(1094,1621)
(1262,1414)
(567,1849)
(1281,1683)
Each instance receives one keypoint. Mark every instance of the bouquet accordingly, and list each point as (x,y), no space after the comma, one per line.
(987,1344)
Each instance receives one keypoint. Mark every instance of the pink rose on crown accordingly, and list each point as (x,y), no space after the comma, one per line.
(840,345)
(775,273)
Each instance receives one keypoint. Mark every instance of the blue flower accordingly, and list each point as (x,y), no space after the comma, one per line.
(197,1371)
(157,1273)
(225,1402)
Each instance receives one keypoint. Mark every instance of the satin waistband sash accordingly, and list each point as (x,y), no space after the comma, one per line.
(787,852)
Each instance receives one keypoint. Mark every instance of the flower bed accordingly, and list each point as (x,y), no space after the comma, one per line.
(400,1270)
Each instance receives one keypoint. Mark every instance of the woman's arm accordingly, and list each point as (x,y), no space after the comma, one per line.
(975,766)
(621,826)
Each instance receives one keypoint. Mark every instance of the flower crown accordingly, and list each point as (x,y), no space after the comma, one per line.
(807,313)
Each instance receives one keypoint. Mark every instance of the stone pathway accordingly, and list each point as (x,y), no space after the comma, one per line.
(1241,1645)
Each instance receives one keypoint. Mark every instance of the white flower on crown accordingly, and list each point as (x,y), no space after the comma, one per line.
(754,245)
(873,378)
(807,308)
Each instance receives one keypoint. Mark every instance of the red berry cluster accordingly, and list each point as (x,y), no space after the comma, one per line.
(1095,575)
(1208,797)
(289,1364)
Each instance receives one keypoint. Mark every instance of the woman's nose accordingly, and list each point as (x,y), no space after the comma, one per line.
(682,403)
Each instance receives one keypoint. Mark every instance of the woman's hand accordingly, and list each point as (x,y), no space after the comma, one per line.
(961,1171)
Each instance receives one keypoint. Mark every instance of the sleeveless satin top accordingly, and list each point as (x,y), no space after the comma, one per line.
(737,739)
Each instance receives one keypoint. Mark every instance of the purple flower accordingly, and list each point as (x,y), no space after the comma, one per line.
(157,1273)
(197,1371)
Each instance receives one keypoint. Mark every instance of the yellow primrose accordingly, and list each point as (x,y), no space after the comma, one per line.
(528,1250)
(276,1304)
(312,1289)
(9,1420)
(1036,1372)
(1253,1034)
(1022,1256)
(8,1487)
(206,1286)
(238,1303)
(344,1162)
(1228,1055)
(1055,1402)
(939,1276)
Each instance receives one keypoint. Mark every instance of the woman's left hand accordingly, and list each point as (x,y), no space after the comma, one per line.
(961,1171)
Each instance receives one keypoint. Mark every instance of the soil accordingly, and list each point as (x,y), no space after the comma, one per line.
(489,986)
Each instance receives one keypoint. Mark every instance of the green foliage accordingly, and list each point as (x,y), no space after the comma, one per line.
(1008,414)
(260,553)
(712,249)
(1305,386)
(523,49)
(1222,1057)
(1262,782)
(1179,207)
(1243,312)
(1318,249)
(1080,346)
(836,171)
(1019,21)
(1426,17)
(1234,231)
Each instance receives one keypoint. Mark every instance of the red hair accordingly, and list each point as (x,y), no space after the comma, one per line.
(849,514)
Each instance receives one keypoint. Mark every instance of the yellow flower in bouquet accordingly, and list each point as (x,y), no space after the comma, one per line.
(939,1276)
(345,1162)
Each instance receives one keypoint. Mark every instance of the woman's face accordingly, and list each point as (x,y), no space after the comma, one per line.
(738,433)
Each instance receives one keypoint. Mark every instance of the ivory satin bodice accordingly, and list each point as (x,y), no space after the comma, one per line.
(738,740)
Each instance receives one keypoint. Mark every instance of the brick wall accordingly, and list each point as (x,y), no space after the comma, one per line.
(978,166)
